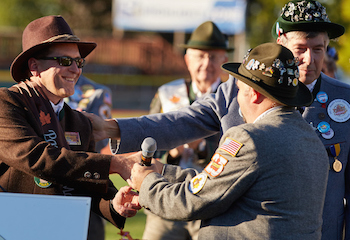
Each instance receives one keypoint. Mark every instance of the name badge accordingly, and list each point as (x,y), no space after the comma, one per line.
(72,138)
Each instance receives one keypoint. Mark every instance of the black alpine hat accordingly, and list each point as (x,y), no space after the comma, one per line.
(307,16)
(207,36)
(272,70)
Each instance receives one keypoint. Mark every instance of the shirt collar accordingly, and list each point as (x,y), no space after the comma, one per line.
(57,107)
(311,85)
(267,112)
(212,88)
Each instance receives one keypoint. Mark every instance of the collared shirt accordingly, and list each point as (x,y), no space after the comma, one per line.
(212,88)
(57,107)
(311,85)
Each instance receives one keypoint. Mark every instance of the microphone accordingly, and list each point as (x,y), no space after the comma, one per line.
(148,148)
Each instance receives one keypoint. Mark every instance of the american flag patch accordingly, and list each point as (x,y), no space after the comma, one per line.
(231,146)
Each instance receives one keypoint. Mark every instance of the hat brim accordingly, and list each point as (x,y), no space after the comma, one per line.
(202,47)
(19,65)
(303,96)
(334,30)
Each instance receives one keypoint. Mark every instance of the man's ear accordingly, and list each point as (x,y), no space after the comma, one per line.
(279,41)
(33,66)
(256,96)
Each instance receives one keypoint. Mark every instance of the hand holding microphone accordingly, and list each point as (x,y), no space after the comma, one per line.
(139,172)
(148,148)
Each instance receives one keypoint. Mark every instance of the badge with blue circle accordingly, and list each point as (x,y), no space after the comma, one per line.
(42,183)
(322,97)
(323,127)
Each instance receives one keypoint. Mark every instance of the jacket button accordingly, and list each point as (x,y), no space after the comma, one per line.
(87,174)
(97,175)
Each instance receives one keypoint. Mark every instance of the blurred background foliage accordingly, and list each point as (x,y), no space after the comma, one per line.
(96,16)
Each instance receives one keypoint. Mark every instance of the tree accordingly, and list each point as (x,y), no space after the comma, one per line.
(84,15)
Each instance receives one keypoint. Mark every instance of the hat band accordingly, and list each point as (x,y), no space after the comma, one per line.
(287,92)
(206,44)
(67,37)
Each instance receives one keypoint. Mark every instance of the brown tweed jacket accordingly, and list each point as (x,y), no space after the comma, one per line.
(26,153)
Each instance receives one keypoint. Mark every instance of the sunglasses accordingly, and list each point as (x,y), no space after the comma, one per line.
(67,61)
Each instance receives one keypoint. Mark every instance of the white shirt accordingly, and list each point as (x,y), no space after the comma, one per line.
(212,88)
(311,86)
(57,107)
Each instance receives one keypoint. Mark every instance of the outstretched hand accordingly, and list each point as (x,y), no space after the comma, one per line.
(103,128)
(126,202)
(123,163)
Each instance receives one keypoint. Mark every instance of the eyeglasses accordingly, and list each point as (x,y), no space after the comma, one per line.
(67,61)
(215,58)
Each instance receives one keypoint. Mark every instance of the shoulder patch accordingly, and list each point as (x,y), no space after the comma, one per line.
(107,98)
(216,165)
(231,146)
(197,183)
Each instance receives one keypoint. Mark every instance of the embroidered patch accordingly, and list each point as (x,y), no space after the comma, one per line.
(42,183)
(231,146)
(107,99)
(44,119)
(174,99)
(216,166)
(197,183)
(105,111)
(72,138)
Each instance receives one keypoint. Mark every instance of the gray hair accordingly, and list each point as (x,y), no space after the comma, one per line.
(301,34)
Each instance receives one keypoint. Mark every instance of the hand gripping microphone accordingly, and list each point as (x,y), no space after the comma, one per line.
(148,148)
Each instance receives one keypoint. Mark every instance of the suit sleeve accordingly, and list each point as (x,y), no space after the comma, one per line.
(104,208)
(200,120)
(174,200)
(347,200)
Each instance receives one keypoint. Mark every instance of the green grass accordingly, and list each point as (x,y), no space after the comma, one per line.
(134,225)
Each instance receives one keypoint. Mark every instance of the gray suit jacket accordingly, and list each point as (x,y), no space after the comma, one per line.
(274,187)
(219,112)
(334,213)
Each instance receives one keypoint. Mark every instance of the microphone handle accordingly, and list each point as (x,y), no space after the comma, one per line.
(146,161)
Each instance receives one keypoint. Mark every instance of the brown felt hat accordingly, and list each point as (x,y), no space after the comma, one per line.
(207,36)
(272,70)
(38,35)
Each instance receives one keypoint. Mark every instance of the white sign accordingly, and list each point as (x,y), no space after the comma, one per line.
(179,15)
(42,217)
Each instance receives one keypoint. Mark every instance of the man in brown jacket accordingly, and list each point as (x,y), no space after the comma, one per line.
(45,146)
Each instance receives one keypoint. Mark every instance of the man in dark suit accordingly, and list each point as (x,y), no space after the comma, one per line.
(267,179)
(304,28)
(45,146)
